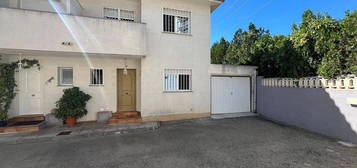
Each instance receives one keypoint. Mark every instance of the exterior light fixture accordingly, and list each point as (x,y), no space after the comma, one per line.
(125,71)
(19,64)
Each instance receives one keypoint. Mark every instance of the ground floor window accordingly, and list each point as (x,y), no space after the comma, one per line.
(96,76)
(177,80)
(65,76)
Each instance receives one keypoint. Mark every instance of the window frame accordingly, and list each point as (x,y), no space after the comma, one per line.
(90,77)
(177,82)
(119,17)
(125,19)
(105,17)
(175,16)
(60,76)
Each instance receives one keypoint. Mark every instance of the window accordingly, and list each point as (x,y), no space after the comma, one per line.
(110,13)
(65,76)
(178,80)
(127,15)
(96,76)
(176,21)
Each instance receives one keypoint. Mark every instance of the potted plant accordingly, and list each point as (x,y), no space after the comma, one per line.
(72,105)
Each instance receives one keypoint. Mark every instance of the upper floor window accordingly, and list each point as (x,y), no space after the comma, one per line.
(127,15)
(110,13)
(116,14)
(176,21)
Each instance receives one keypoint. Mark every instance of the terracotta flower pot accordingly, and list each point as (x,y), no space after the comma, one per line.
(70,121)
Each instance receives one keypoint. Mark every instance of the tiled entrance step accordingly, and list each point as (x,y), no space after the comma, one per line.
(24,123)
(125,117)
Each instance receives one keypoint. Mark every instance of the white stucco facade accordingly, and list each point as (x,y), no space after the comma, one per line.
(37,32)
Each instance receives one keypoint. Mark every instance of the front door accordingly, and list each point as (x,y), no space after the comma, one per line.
(126,90)
(29,87)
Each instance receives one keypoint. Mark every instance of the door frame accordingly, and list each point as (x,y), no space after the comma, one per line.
(250,89)
(117,88)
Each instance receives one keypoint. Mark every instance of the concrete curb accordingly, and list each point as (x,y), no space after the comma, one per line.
(119,129)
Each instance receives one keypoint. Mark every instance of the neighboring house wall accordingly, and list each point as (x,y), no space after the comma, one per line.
(103,97)
(165,50)
(320,110)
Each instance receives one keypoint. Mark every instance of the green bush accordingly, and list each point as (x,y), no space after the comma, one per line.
(7,85)
(72,104)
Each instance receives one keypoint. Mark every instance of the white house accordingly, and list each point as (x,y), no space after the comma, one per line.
(151,56)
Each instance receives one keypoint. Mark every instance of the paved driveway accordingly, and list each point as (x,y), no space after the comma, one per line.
(243,142)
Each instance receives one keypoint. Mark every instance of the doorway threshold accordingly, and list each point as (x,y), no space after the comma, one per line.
(233,115)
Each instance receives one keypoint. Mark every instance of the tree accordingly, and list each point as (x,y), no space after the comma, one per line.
(240,49)
(218,51)
(328,45)
(319,45)
(349,36)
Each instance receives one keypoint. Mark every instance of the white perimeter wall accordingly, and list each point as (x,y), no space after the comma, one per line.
(176,51)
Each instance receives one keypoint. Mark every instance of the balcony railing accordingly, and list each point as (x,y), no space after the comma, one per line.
(45,31)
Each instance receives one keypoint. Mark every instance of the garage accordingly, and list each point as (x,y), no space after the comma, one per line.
(232,91)
(231,94)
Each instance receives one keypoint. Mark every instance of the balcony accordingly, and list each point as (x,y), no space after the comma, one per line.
(30,30)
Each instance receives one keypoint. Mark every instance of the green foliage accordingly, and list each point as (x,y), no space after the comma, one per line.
(218,51)
(328,45)
(72,104)
(8,84)
(240,50)
(274,55)
(319,45)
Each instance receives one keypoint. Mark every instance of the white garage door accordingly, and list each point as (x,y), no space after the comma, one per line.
(230,95)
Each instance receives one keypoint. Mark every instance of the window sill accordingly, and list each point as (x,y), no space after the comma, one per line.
(91,85)
(183,34)
(65,85)
(183,91)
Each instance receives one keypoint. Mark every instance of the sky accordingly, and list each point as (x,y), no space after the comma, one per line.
(275,15)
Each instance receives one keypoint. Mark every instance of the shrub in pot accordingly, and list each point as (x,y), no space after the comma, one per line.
(72,105)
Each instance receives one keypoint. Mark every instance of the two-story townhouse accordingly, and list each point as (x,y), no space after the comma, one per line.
(151,56)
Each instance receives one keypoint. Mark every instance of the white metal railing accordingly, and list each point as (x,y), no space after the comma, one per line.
(342,82)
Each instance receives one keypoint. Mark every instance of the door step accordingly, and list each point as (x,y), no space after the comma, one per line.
(127,114)
(24,123)
(26,118)
(125,117)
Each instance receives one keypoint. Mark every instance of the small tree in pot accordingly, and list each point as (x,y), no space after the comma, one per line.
(72,105)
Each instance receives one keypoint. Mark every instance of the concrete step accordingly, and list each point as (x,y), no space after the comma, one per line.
(127,114)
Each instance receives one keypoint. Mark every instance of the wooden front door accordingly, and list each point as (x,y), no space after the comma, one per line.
(126,90)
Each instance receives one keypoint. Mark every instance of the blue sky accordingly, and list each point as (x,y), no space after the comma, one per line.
(275,15)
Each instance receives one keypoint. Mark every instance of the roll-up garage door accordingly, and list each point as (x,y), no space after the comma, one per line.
(230,95)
